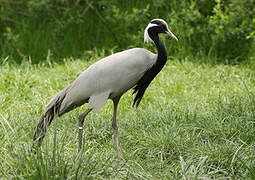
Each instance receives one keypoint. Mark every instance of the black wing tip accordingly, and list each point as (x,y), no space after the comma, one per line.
(135,105)
(139,92)
(136,102)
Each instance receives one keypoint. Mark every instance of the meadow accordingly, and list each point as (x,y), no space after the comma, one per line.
(196,121)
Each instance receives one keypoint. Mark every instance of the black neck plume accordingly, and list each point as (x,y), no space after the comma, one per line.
(162,55)
(151,73)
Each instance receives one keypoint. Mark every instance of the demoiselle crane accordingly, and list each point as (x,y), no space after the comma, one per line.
(109,78)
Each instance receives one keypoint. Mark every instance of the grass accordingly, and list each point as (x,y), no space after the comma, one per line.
(196,121)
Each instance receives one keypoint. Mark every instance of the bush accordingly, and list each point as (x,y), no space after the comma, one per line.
(61,28)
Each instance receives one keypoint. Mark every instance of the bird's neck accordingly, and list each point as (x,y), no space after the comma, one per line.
(162,55)
(151,73)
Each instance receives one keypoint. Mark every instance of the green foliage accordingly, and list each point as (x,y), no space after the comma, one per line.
(195,122)
(37,28)
(219,28)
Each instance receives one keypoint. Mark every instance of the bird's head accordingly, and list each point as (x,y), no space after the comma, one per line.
(155,27)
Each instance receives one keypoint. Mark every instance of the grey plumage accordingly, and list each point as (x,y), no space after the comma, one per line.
(109,78)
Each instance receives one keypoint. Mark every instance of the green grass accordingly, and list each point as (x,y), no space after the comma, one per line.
(196,121)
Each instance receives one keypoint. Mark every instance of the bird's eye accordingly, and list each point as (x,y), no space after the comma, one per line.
(163,26)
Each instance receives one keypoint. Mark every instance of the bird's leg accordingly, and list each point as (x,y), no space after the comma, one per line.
(81,121)
(115,127)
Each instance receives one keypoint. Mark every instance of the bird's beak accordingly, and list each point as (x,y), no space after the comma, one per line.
(169,33)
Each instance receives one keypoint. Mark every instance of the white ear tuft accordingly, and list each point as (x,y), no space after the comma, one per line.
(146,34)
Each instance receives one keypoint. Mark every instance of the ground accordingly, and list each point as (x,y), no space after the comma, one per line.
(195,121)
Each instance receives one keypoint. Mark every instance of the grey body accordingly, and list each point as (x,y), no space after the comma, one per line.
(108,78)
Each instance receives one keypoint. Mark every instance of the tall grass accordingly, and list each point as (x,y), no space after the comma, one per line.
(195,121)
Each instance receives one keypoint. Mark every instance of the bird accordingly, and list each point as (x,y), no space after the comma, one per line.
(109,78)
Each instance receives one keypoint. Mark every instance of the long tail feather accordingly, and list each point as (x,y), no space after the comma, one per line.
(52,110)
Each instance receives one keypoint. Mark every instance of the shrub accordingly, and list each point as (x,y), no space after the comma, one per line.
(61,28)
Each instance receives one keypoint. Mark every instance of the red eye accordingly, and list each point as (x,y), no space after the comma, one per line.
(163,26)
